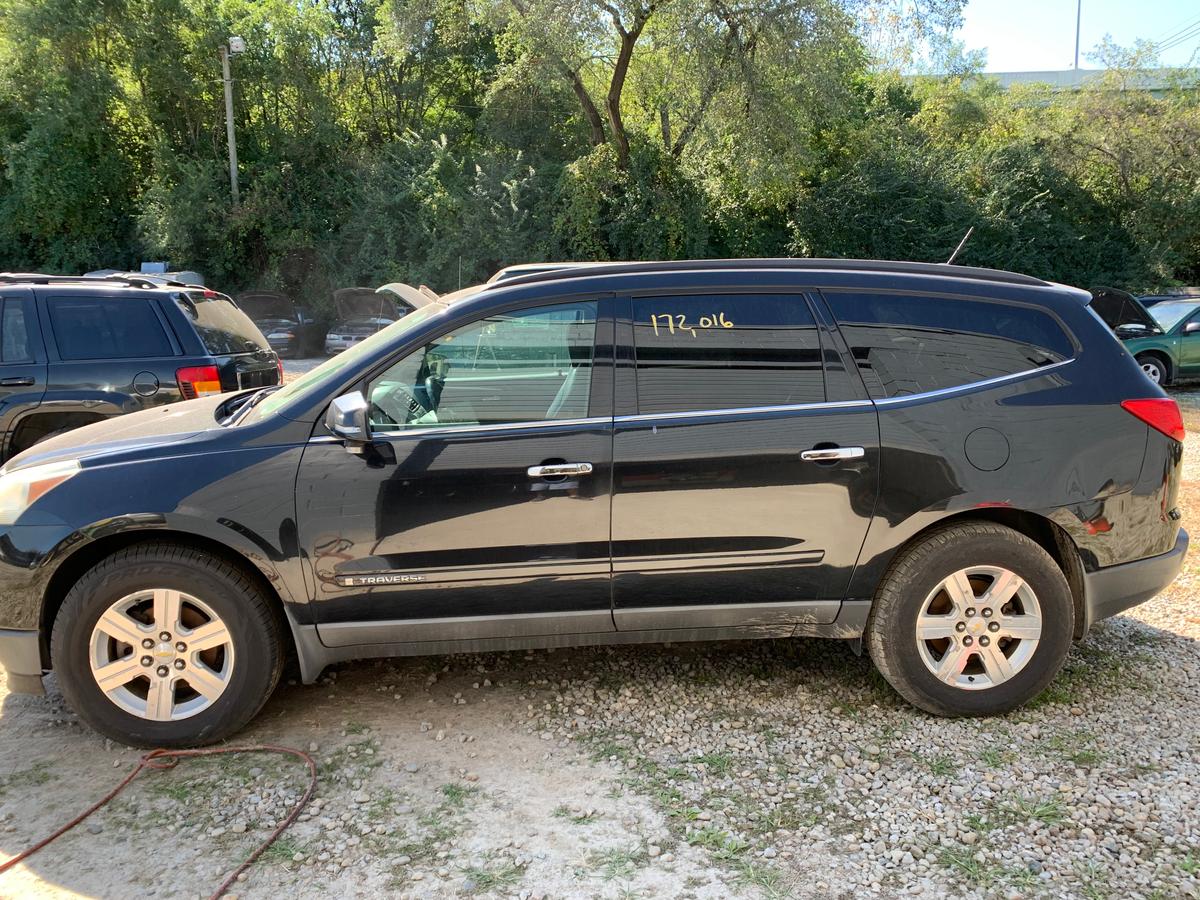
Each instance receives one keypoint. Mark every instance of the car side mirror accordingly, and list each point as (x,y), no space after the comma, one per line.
(346,418)
(1191,327)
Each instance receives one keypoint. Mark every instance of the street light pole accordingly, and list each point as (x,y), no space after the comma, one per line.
(233,173)
(1078,19)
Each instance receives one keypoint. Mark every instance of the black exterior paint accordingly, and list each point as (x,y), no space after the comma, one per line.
(706,510)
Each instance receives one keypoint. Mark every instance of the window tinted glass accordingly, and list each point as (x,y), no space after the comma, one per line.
(14,332)
(526,366)
(909,345)
(725,352)
(223,327)
(107,328)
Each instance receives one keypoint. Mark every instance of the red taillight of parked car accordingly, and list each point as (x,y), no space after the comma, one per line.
(1160,413)
(198,381)
(279,366)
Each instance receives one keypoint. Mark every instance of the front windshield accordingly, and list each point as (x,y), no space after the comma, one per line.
(1168,315)
(343,361)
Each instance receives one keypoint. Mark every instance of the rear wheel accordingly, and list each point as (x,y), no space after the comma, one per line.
(974,619)
(1155,367)
(162,645)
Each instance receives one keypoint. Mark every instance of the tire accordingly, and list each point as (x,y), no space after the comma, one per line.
(238,675)
(1156,369)
(913,590)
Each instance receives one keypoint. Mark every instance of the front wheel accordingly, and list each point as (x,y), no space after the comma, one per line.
(1154,367)
(161,645)
(973,620)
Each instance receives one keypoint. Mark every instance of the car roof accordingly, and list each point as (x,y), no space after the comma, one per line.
(113,280)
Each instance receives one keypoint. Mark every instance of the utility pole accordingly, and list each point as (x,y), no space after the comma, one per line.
(235,45)
(1079,18)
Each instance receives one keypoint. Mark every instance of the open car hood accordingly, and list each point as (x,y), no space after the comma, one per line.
(1119,308)
(365,303)
(263,305)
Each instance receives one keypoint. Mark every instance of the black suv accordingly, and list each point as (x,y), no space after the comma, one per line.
(79,350)
(960,468)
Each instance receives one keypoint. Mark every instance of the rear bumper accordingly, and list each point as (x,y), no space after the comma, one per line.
(1114,589)
(21,659)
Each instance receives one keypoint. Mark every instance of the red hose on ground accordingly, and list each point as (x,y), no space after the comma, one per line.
(169,759)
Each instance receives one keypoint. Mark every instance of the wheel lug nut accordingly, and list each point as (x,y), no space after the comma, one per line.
(148,643)
(179,663)
(147,661)
(983,641)
(181,647)
(993,626)
(163,671)
(968,641)
(961,626)
(165,636)
(971,611)
(987,613)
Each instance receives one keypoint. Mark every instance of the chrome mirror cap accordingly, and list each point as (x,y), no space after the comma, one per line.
(346,418)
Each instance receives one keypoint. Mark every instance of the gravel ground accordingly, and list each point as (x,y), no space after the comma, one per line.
(763,769)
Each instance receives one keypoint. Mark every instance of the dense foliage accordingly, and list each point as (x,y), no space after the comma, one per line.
(436,140)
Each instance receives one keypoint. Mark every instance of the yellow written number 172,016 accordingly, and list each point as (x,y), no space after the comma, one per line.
(678,324)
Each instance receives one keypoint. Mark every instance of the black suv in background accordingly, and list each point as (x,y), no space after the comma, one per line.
(78,350)
(961,469)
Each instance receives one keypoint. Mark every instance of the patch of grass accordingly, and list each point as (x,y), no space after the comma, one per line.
(564,812)
(456,795)
(995,757)
(1048,810)
(940,766)
(617,862)
(721,844)
(282,851)
(1190,864)
(493,878)
(717,763)
(37,774)
(767,879)
(962,861)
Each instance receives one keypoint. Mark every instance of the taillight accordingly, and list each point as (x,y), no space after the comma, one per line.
(198,381)
(1160,413)
(279,366)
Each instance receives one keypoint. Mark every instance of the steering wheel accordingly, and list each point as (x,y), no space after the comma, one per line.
(399,405)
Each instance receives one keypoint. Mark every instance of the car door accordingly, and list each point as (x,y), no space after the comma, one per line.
(1189,346)
(742,491)
(481,510)
(22,361)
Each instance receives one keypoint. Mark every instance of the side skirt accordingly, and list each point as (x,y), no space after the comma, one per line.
(315,656)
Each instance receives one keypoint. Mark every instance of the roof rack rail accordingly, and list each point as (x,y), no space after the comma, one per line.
(843,265)
(131,279)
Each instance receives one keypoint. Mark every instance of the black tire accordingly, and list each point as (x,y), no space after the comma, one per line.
(1155,368)
(252,624)
(891,629)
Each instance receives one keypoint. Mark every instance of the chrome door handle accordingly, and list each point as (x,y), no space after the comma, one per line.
(557,470)
(831,453)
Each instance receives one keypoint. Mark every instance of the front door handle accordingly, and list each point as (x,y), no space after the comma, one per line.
(559,470)
(828,454)
(19,381)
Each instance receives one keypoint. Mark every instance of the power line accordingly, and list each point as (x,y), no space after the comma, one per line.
(1182,37)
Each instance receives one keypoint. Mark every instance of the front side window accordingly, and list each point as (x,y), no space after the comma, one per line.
(722,351)
(107,328)
(906,345)
(532,365)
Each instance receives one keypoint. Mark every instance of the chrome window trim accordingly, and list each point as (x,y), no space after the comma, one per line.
(743,410)
(973,385)
(462,429)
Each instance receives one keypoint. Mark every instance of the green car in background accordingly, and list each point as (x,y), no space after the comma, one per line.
(1164,339)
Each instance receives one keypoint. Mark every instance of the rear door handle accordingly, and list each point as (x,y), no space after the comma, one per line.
(18,381)
(558,470)
(827,454)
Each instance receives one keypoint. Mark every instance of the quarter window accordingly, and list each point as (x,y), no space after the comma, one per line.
(528,366)
(107,328)
(911,345)
(721,351)
(15,345)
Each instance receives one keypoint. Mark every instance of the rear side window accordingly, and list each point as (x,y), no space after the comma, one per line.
(907,345)
(223,327)
(725,352)
(107,328)
(15,343)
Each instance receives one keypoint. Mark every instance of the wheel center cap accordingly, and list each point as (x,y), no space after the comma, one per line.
(975,626)
(164,651)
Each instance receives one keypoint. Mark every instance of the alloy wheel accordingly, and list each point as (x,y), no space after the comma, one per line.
(161,654)
(979,627)
(1153,371)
